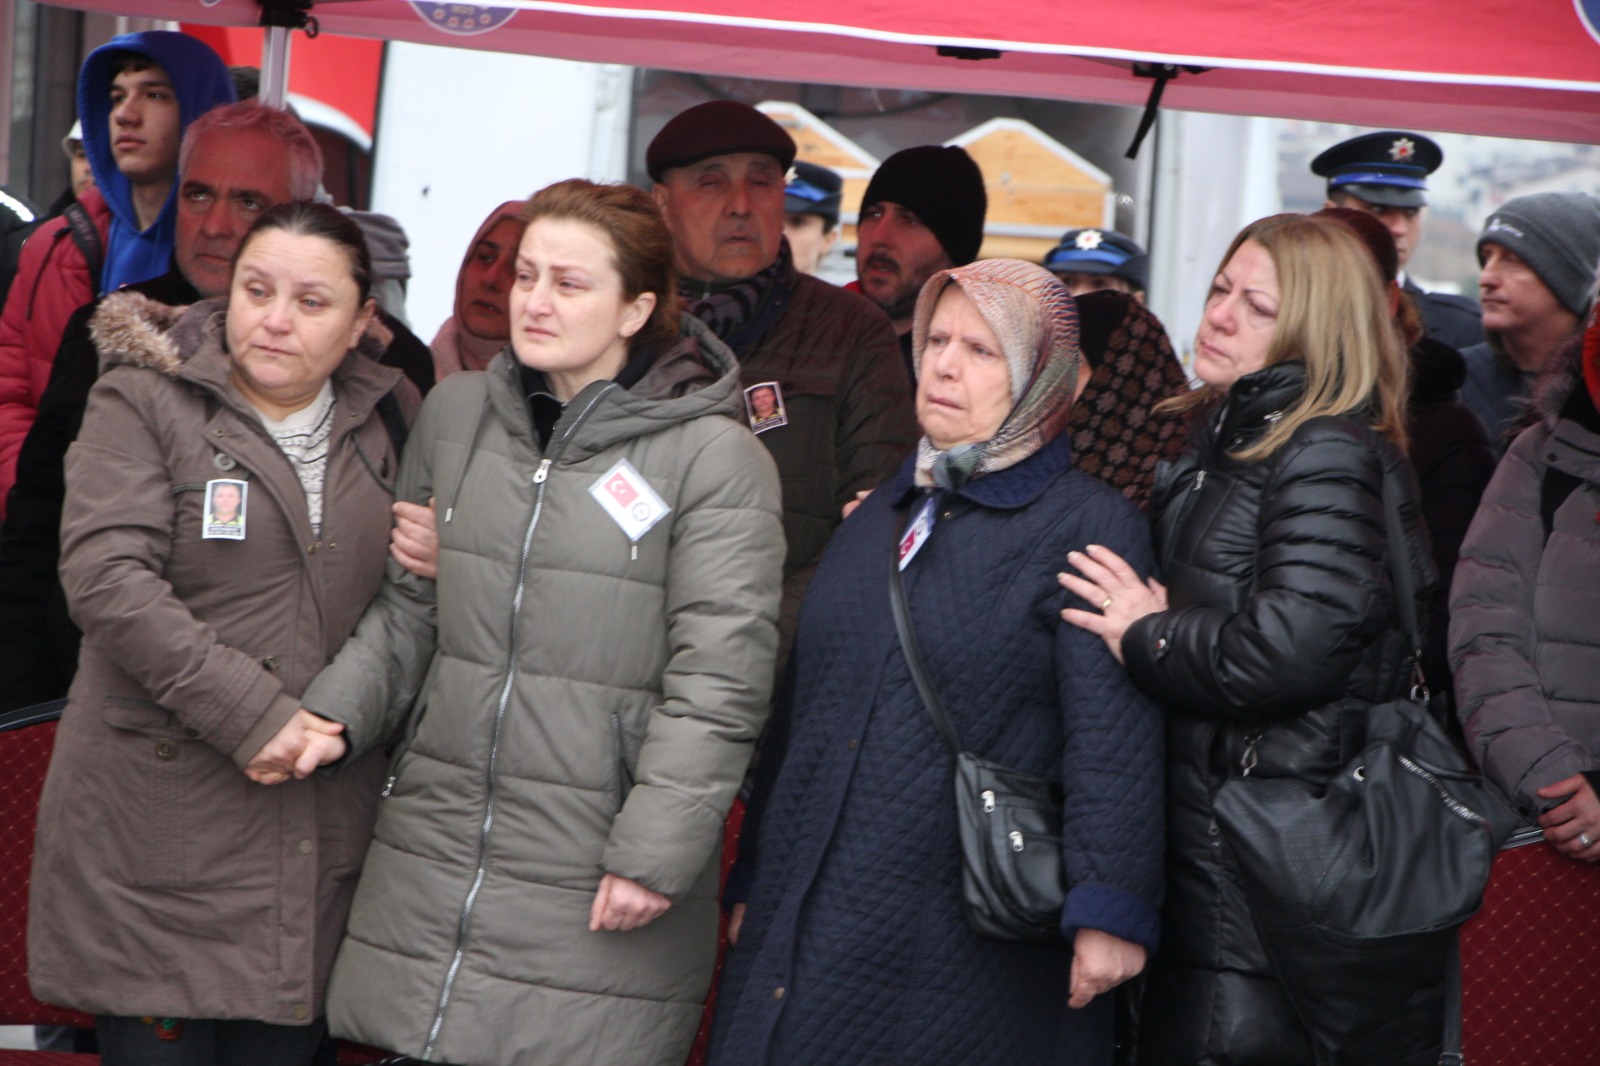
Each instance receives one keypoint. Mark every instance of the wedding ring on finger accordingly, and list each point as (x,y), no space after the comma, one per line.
(1106,606)
(1584,841)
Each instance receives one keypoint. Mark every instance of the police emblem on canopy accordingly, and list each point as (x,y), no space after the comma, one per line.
(1589,11)
(462,19)
(1089,240)
(1402,149)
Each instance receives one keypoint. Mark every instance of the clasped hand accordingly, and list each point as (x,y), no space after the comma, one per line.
(303,744)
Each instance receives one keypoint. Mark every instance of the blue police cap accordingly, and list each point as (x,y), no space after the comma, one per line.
(1389,168)
(813,190)
(1100,251)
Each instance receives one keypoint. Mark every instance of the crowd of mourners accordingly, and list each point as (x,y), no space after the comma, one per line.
(414,693)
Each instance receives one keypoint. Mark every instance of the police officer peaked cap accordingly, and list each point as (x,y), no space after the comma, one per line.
(719,127)
(813,190)
(1389,168)
(1101,251)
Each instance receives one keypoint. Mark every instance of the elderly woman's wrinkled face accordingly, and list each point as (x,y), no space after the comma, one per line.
(964,386)
(1240,319)
(294,312)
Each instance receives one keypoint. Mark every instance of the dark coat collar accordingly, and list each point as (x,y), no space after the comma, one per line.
(1008,490)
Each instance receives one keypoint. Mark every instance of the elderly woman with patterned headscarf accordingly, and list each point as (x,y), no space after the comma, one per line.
(851,944)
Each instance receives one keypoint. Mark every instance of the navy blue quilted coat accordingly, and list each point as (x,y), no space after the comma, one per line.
(854,948)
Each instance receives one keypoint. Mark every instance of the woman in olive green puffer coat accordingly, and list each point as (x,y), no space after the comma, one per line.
(587,692)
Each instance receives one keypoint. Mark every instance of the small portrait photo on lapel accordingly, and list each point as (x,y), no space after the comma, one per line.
(763,403)
(225,509)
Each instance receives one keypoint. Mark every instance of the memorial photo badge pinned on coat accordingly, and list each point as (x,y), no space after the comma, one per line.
(225,509)
(916,534)
(629,499)
(763,403)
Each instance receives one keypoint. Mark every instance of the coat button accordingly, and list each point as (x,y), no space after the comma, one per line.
(217,432)
(777,993)
(165,749)
(271,663)
(190,731)
(332,545)
(305,847)
(224,462)
(301,1012)
(311,549)
(851,744)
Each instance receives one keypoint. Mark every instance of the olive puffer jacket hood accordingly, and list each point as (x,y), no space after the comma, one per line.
(588,705)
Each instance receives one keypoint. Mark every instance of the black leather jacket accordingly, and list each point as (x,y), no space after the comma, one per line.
(1281,632)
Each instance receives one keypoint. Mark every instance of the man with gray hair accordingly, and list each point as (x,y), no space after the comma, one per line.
(235,162)
(1538,256)
(825,357)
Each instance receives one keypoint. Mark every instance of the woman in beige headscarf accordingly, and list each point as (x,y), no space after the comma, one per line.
(851,947)
(481,325)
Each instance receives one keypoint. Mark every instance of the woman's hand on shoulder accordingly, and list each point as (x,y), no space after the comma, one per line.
(1108,582)
(621,905)
(1101,962)
(304,743)
(414,541)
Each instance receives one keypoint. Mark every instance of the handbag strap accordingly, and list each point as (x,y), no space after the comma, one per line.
(1450,1054)
(913,654)
(1405,593)
(1400,576)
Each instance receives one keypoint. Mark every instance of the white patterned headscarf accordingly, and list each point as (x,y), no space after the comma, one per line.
(1036,322)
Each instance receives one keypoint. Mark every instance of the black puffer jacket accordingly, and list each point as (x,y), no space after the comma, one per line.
(1281,627)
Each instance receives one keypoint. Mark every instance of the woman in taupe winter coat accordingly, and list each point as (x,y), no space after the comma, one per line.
(1524,628)
(590,672)
(193,912)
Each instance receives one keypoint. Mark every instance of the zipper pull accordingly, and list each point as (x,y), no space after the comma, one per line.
(1247,761)
(1199,479)
(388,787)
(988,801)
(543,472)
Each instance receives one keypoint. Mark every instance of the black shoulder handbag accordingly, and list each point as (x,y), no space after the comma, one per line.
(1013,884)
(1380,865)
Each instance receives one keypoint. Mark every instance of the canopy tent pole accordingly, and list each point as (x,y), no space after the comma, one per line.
(278,17)
(275,67)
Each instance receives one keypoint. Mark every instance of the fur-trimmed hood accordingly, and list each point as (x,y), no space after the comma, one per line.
(130,329)
(1559,391)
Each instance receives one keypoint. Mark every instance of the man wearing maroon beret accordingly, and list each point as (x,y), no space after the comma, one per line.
(719,171)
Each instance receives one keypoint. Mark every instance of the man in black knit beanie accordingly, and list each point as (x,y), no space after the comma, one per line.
(922,212)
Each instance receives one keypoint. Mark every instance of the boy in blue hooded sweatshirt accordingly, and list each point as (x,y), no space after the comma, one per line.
(136,95)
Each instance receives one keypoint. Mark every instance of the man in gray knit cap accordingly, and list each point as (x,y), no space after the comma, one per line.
(1539,256)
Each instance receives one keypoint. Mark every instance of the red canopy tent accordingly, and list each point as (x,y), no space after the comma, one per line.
(1514,68)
